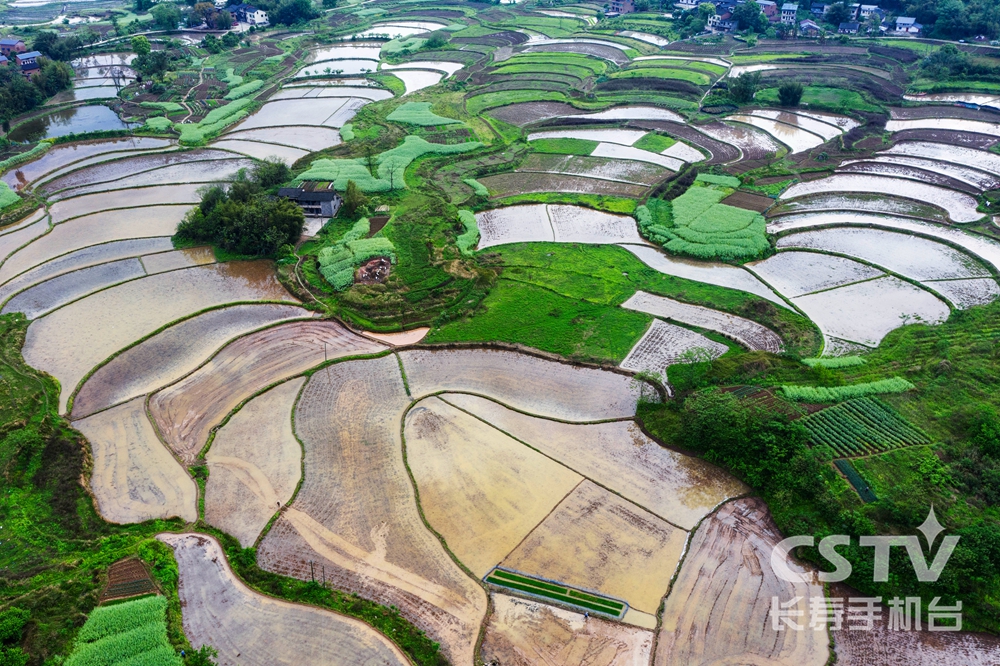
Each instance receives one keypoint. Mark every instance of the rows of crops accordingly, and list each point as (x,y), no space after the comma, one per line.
(559,593)
(864,490)
(862,426)
(132,632)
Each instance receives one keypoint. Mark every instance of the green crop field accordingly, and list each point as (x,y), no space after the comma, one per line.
(654,142)
(839,393)
(861,427)
(131,632)
(564,146)
(696,78)
(566,595)
(419,113)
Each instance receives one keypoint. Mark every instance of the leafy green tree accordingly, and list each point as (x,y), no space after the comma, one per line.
(354,198)
(837,13)
(166,16)
(744,87)
(749,17)
(154,64)
(706,10)
(141,45)
(50,45)
(53,76)
(790,93)
(291,12)
(205,656)
(223,21)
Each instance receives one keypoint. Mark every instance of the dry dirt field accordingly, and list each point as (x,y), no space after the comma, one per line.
(529,633)
(254,464)
(186,411)
(355,515)
(718,610)
(135,478)
(250,629)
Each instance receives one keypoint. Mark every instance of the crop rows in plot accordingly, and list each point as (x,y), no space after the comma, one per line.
(864,490)
(566,595)
(862,426)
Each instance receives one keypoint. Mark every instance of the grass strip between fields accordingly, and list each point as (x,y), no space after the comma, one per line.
(556,592)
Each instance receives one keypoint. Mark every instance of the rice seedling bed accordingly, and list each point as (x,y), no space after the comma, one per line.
(133,632)
(134,477)
(561,593)
(255,464)
(840,393)
(173,353)
(723,587)
(860,427)
(481,490)
(355,516)
(691,76)
(250,628)
(186,412)
(748,333)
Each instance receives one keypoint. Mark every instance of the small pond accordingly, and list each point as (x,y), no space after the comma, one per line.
(69,121)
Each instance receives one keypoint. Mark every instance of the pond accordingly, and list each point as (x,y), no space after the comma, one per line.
(69,121)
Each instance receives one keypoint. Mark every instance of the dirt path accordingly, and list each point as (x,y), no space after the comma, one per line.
(201,79)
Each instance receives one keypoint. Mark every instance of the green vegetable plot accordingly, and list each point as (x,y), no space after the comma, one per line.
(707,229)
(838,393)
(419,113)
(216,121)
(337,263)
(862,426)
(133,633)
(7,196)
(566,595)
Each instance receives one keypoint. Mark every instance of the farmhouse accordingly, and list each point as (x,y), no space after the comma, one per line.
(788,12)
(319,202)
(4,60)
(10,45)
(818,9)
(908,25)
(808,28)
(866,10)
(245,13)
(849,28)
(28,62)
(621,7)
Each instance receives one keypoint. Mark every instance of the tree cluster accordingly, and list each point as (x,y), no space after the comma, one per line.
(213,44)
(949,62)
(18,94)
(246,219)
(52,46)
(207,13)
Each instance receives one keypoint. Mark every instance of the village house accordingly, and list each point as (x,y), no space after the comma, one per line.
(4,61)
(28,62)
(314,202)
(9,45)
(819,9)
(788,12)
(864,11)
(769,9)
(621,7)
(809,28)
(908,25)
(849,28)
(249,14)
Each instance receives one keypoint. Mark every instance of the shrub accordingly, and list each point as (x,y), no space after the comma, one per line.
(467,240)
(790,93)
(347,132)
(8,197)
(838,393)
(477,187)
(244,90)
(834,362)
(419,113)
(159,123)
(232,78)
(744,87)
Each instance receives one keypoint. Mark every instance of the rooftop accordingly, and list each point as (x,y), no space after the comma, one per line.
(10,41)
(29,55)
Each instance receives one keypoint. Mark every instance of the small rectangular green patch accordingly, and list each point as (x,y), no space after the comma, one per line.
(564,146)
(654,143)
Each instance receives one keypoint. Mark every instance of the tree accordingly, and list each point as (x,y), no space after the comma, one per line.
(744,87)
(141,45)
(223,21)
(295,11)
(141,6)
(837,13)
(790,93)
(50,45)
(153,64)
(706,10)
(354,198)
(749,17)
(202,657)
(53,76)
(166,16)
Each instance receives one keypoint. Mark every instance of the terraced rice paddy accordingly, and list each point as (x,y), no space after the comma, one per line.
(960,207)
(565,224)
(797,273)
(255,464)
(865,312)
(953,124)
(220,611)
(663,345)
(796,138)
(134,476)
(694,631)
(748,333)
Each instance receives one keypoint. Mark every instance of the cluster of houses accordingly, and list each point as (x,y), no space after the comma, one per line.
(788,13)
(14,52)
(244,13)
